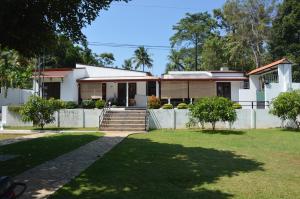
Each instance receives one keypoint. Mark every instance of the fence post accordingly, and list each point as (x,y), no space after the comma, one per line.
(174,119)
(253,119)
(83,118)
(58,118)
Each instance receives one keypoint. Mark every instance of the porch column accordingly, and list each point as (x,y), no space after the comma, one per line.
(127,94)
(157,89)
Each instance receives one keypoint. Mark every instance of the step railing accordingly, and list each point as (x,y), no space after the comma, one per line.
(106,108)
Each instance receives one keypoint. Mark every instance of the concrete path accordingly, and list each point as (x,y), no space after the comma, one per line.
(24,138)
(48,177)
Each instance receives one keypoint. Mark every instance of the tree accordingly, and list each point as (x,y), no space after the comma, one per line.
(127,64)
(248,23)
(106,59)
(31,26)
(287,106)
(40,111)
(192,31)
(212,110)
(175,61)
(15,70)
(285,37)
(142,58)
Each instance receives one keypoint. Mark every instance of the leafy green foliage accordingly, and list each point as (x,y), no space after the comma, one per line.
(89,104)
(237,106)
(192,30)
(127,64)
(71,105)
(106,59)
(15,70)
(167,106)
(153,102)
(213,109)
(100,104)
(285,40)
(142,58)
(287,106)
(40,111)
(14,109)
(182,106)
(31,26)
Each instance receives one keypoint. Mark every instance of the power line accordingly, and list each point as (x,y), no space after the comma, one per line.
(120,45)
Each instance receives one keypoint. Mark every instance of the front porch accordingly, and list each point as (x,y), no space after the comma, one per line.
(120,92)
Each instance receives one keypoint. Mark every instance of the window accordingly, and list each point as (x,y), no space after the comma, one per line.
(224,89)
(51,90)
(151,88)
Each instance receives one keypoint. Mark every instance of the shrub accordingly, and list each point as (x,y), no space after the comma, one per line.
(212,110)
(71,105)
(153,102)
(57,103)
(40,111)
(89,104)
(14,109)
(100,104)
(167,106)
(182,106)
(287,106)
(237,106)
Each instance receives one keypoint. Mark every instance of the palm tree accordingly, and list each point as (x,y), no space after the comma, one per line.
(127,64)
(175,59)
(142,58)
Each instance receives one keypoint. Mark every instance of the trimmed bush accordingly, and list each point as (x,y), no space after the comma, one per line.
(71,105)
(153,102)
(182,106)
(287,106)
(88,104)
(212,110)
(167,106)
(237,106)
(40,111)
(100,104)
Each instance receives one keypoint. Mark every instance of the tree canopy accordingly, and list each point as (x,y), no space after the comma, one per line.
(31,26)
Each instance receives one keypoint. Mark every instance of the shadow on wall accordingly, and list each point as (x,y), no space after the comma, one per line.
(141,168)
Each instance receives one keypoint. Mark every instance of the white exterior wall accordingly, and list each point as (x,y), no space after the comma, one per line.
(235,87)
(285,77)
(14,96)
(111,90)
(248,95)
(272,90)
(69,86)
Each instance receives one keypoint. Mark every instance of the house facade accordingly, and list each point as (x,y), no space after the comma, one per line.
(126,88)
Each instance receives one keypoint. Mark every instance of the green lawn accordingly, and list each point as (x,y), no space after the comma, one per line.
(9,136)
(34,152)
(260,164)
(50,128)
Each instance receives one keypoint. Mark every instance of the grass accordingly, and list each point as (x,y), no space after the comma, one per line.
(50,128)
(34,152)
(9,136)
(194,164)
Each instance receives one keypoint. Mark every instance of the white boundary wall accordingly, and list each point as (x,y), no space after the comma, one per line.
(159,119)
(14,96)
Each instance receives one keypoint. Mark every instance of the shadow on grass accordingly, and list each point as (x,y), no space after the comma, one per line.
(36,151)
(141,168)
(224,132)
(291,130)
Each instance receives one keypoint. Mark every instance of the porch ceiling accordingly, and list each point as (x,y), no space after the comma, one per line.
(118,79)
(54,74)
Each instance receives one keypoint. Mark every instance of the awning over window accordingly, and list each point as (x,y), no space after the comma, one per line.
(200,89)
(174,89)
(91,90)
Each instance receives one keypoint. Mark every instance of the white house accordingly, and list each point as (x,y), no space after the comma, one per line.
(255,89)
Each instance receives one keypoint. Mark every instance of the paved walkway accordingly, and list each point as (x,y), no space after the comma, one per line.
(24,138)
(48,177)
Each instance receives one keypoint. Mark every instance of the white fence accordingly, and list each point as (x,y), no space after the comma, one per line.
(159,119)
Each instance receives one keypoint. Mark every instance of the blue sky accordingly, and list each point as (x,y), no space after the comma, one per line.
(142,22)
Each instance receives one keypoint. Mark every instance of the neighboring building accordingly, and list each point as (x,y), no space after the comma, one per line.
(131,88)
(266,83)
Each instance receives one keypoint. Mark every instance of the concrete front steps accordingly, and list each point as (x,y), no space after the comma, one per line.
(124,120)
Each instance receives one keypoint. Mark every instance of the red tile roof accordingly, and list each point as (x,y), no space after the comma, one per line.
(268,67)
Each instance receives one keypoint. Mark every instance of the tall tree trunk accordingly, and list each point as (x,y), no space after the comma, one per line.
(196,53)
